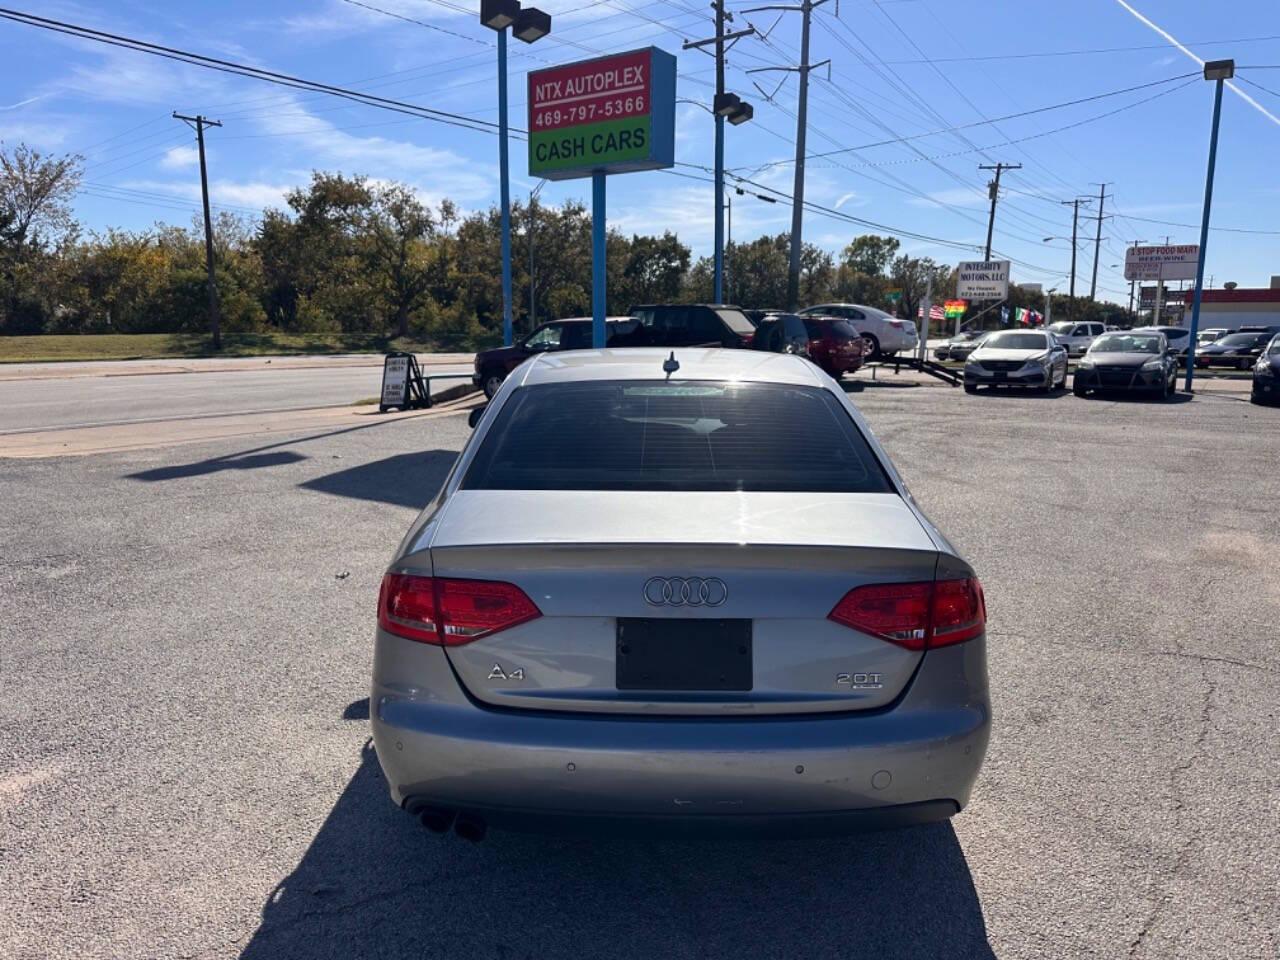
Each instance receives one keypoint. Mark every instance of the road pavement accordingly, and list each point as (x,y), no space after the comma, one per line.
(64,395)
(185,768)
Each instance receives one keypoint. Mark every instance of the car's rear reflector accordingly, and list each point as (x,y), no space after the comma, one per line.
(918,616)
(450,612)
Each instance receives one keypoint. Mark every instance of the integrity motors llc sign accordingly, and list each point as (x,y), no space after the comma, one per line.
(614,114)
(983,280)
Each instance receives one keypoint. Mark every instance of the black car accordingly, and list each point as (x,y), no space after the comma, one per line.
(1135,361)
(1266,374)
(573,333)
(963,339)
(692,325)
(1237,350)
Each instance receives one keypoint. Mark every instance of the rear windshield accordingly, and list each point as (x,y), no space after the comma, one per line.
(736,321)
(675,435)
(1244,339)
(1127,343)
(844,330)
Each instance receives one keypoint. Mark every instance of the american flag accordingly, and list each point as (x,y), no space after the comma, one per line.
(935,312)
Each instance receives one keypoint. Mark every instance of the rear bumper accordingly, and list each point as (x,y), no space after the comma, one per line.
(912,762)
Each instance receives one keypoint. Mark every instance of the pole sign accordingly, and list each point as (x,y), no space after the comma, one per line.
(1176,262)
(983,280)
(613,114)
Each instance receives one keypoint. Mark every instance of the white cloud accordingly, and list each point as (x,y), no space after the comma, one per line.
(435,172)
(179,158)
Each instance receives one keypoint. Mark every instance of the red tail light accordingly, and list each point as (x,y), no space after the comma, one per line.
(918,616)
(449,612)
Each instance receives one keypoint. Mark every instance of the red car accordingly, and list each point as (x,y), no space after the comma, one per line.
(835,345)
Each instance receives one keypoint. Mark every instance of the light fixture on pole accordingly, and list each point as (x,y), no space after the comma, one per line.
(1217,71)
(529,24)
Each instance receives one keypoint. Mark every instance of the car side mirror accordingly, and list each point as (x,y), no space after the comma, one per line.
(476,414)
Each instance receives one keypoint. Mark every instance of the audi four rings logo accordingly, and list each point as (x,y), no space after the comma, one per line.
(685,591)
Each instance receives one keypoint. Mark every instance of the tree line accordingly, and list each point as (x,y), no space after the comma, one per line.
(349,254)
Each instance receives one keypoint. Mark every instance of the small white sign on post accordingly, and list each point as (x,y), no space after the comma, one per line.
(395,381)
(983,280)
(1177,262)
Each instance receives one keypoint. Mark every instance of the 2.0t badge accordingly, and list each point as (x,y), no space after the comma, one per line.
(859,681)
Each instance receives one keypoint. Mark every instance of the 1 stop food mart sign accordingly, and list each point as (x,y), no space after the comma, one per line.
(614,114)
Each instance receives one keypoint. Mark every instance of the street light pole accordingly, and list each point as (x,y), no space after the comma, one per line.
(533,199)
(505,188)
(529,24)
(1218,71)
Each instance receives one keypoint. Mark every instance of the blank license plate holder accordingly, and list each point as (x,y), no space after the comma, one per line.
(684,655)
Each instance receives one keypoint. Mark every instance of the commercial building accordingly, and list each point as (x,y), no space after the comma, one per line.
(1241,307)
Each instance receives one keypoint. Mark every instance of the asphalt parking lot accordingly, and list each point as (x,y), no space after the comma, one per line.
(184,759)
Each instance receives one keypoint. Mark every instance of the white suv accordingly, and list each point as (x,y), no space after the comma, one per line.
(1076,336)
(883,335)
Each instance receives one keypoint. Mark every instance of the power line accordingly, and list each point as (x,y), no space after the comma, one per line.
(1077,53)
(244,70)
(1196,226)
(421,23)
(1012,116)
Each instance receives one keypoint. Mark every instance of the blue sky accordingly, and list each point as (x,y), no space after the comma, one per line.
(900,68)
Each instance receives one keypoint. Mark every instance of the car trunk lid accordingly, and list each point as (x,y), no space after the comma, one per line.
(640,592)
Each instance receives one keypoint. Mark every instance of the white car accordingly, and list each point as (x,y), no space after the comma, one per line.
(1076,336)
(1017,358)
(882,334)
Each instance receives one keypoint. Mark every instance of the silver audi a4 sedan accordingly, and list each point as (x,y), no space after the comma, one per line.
(686,592)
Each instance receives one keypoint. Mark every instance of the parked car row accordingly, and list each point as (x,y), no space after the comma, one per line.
(839,338)
(1140,361)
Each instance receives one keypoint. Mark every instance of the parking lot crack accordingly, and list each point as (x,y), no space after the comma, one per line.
(1158,893)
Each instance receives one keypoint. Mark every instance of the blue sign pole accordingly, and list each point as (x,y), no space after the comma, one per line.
(505,188)
(718,293)
(1204,234)
(597,260)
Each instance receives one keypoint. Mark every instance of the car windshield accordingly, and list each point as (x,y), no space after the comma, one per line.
(675,435)
(1127,343)
(737,321)
(1241,339)
(1273,348)
(1010,340)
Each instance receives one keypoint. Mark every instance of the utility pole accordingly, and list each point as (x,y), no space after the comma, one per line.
(1097,241)
(199,124)
(805,9)
(725,105)
(993,188)
(1075,224)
